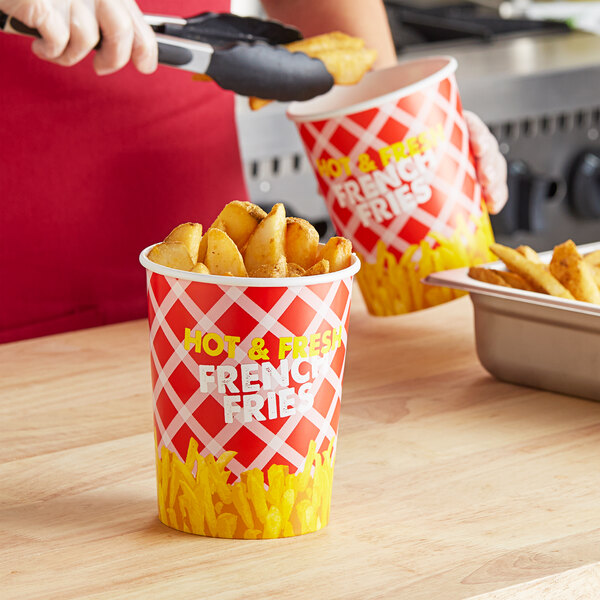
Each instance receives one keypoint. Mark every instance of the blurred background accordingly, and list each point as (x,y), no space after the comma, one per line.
(530,70)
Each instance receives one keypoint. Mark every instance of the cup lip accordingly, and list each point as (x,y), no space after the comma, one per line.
(439,75)
(246,282)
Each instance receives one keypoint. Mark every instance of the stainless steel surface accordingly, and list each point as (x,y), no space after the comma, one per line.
(533,339)
(201,52)
(523,77)
(157,20)
(538,346)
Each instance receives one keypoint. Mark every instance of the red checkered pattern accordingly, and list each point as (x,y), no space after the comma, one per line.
(455,189)
(181,410)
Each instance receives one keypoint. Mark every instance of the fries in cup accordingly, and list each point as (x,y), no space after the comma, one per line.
(245,241)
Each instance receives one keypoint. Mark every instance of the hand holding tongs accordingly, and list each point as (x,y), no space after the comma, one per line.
(242,54)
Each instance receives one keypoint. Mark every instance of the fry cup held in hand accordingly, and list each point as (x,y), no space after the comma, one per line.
(392,158)
(247,380)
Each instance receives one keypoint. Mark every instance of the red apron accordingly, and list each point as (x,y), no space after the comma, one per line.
(94,169)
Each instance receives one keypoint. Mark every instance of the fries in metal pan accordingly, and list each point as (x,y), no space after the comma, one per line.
(569,275)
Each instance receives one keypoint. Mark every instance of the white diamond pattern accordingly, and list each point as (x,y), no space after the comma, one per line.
(178,301)
(369,137)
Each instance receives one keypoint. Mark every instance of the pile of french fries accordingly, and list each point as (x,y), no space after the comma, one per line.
(245,241)
(569,275)
(344,56)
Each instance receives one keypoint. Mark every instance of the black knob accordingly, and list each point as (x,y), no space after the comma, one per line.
(584,188)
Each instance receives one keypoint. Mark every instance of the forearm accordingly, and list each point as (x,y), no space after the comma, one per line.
(366,19)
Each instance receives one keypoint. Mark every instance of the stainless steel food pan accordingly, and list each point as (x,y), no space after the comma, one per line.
(533,339)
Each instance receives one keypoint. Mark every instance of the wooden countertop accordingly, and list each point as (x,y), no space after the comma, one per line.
(448,483)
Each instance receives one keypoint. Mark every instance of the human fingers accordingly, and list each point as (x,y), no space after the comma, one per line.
(84,33)
(117,36)
(50,18)
(144,53)
(490,164)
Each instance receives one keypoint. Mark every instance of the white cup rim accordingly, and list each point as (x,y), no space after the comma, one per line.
(271,282)
(309,110)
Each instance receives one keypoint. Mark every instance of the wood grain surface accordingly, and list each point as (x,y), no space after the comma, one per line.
(448,483)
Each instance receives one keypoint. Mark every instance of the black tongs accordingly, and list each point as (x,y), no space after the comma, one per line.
(242,54)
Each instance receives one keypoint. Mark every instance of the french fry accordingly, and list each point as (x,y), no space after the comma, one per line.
(514,280)
(257,103)
(497,277)
(348,66)
(487,276)
(593,258)
(294,270)
(245,241)
(536,274)
(204,241)
(574,273)
(277,270)
(338,252)
(344,56)
(266,245)
(200,268)
(530,253)
(171,254)
(334,40)
(595,274)
(222,255)
(239,219)
(318,268)
(190,235)
(301,242)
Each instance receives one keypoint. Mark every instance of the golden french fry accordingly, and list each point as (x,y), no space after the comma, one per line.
(204,240)
(201,77)
(222,255)
(487,276)
(326,41)
(348,66)
(190,235)
(344,56)
(277,270)
(574,273)
(595,273)
(593,258)
(529,252)
(301,242)
(200,268)
(497,277)
(239,219)
(318,268)
(257,103)
(534,273)
(294,270)
(515,280)
(171,254)
(338,252)
(266,245)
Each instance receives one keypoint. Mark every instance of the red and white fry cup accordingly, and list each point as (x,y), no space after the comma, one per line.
(394,165)
(247,380)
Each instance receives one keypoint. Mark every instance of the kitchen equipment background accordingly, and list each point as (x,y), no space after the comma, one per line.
(536,86)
